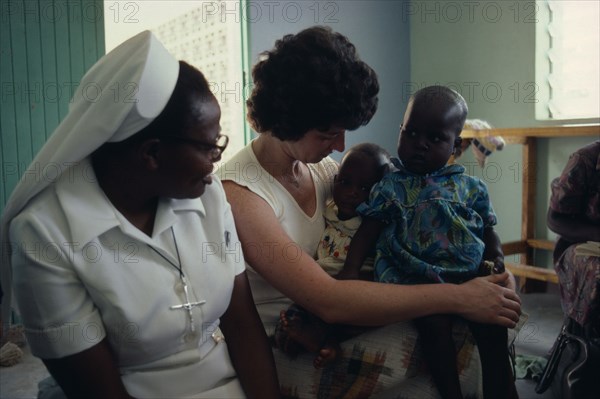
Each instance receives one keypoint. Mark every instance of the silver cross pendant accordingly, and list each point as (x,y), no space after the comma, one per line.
(189,306)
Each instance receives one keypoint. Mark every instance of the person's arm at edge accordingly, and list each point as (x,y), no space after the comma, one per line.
(91,373)
(304,282)
(248,345)
(574,229)
(568,200)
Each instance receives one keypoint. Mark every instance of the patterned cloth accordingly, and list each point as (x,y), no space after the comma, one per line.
(434,225)
(382,363)
(335,241)
(579,278)
(577,192)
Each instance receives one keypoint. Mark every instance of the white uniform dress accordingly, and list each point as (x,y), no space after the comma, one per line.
(82,272)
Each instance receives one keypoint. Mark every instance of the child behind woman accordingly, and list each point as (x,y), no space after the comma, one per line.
(429,222)
(362,166)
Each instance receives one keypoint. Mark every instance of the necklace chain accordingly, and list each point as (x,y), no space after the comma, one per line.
(179,268)
(188,305)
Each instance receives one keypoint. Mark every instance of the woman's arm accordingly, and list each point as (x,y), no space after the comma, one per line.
(91,373)
(352,301)
(570,197)
(247,342)
(573,228)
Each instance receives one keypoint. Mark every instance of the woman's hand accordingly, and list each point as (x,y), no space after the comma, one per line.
(511,283)
(491,300)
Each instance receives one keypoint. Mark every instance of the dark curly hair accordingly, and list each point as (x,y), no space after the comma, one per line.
(311,80)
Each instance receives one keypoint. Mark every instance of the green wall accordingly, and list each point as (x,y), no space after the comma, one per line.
(486,51)
(46,47)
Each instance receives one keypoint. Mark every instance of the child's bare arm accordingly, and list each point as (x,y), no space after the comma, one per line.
(493,249)
(361,246)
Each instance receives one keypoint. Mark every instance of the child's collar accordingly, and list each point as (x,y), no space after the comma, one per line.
(444,171)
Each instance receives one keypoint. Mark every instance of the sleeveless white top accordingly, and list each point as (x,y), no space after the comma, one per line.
(305,230)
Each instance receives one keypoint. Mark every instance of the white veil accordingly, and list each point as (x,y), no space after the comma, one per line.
(120,95)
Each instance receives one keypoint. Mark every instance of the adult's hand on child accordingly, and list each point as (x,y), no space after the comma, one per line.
(490,300)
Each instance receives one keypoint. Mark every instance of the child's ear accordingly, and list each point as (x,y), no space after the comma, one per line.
(457,143)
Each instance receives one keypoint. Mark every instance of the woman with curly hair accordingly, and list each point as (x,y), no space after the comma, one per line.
(308,90)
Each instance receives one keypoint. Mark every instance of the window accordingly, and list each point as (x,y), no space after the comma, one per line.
(205,34)
(567,60)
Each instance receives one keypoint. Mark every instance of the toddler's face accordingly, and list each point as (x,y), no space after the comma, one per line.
(427,138)
(357,175)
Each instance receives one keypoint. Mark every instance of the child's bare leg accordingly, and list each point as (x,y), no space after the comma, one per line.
(438,348)
(498,379)
(311,333)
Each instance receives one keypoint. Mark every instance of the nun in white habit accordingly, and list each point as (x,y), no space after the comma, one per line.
(124,265)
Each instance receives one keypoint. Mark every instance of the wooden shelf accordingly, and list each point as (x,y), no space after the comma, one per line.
(517,135)
(527,138)
(541,244)
(532,272)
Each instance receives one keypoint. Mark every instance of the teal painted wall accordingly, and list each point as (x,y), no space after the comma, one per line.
(46,47)
(486,51)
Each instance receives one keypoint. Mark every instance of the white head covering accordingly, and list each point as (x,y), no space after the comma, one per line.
(120,95)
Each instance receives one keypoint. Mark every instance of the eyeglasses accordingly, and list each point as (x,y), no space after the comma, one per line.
(215,149)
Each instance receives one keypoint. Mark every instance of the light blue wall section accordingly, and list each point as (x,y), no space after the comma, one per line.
(380,32)
(486,51)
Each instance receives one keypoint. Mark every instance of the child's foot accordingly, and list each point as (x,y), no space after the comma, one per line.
(282,341)
(312,334)
(304,331)
(327,355)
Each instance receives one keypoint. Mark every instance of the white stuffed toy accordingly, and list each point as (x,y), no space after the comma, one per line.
(483,146)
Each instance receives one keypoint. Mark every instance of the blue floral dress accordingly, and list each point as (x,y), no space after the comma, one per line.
(433,225)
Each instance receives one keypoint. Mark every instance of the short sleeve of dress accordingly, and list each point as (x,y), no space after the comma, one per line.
(568,190)
(482,203)
(381,202)
(58,313)
(232,242)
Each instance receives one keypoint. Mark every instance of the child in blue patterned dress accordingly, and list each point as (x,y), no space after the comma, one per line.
(429,222)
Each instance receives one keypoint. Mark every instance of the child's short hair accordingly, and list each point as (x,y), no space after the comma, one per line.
(378,154)
(445,97)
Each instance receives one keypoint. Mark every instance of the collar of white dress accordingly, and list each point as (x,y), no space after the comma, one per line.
(89,213)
